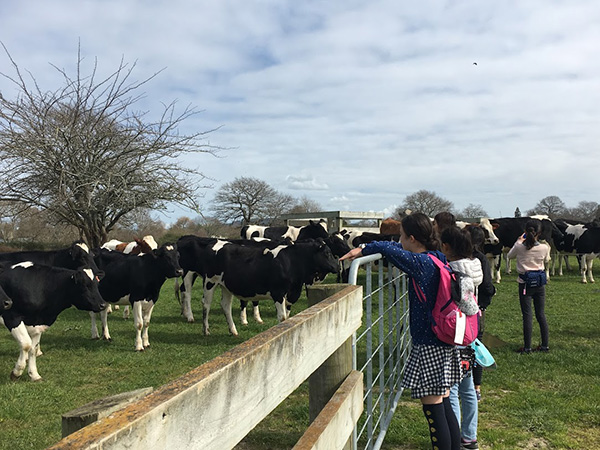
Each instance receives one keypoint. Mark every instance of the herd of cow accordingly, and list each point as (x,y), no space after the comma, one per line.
(267,262)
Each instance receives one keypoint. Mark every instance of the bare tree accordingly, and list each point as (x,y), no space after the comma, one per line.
(426,202)
(584,211)
(83,154)
(305,205)
(552,206)
(249,200)
(473,211)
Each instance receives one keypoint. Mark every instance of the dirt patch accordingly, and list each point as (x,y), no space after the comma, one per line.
(535,443)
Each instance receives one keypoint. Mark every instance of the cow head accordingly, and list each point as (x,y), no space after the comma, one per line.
(168,256)
(323,261)
(87,296)
(314,230)
(488,230)
(84,259)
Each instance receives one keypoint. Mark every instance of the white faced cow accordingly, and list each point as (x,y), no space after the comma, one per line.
(39,294)
(135,280)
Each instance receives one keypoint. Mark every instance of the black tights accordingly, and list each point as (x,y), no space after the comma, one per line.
(538,295)
(444,430)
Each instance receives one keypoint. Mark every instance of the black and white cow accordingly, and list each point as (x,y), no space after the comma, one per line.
(313,230)
(252,273)
(195,254)
(135,280)
(582,239)
(507,230)
(76,256)
(39,294)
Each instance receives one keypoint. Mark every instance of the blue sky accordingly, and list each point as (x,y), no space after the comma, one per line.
(354,104)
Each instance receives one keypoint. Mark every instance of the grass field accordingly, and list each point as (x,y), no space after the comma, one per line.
(530,401)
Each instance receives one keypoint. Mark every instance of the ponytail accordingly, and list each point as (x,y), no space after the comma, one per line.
(533,228)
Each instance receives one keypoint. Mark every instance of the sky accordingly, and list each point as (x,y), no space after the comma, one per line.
(352,104)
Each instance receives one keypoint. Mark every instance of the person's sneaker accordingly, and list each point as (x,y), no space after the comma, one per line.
(524,350)
(478,394)
(539,348)
(464,445)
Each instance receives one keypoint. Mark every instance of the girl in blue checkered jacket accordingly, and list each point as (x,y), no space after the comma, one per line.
(433,366)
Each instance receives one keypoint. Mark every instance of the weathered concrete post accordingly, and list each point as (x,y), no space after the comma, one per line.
(324,381)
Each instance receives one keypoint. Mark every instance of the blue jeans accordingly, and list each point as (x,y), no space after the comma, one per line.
(465,390)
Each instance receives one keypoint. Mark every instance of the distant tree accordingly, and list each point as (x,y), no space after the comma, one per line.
(552,206)
(517,212)
(426,202)
(584,211)
(473,211)
(137,224)
(87,155)
(305,205)
(249,200)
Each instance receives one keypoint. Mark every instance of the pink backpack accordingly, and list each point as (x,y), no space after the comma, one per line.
(455,312)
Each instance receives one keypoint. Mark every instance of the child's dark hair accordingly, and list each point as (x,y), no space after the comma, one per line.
(419,226)
(533,228)
(459,241)
(444,220)
(477,237)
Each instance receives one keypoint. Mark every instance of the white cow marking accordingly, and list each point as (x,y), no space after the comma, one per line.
(219,245)
(24,265)
(84,247)
(89,273)
(275,251)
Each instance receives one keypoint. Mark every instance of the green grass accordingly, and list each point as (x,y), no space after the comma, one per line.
(530,401)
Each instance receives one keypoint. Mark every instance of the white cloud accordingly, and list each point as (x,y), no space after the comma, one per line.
(305,182)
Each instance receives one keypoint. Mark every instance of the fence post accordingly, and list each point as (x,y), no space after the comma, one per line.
(325,381)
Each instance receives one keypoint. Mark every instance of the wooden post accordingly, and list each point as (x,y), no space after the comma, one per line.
(326,380)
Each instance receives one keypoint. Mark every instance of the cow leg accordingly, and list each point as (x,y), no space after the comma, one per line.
(138,323)
(24,340)
(104,320)
(496,263)
(95,334)
(507,265)
(209,292)
(186,297)
(243,314)
(126,312)
(35,333)
(281,310)
(590,265)
(560,263)
(256,312)
(147,308)
(226,300)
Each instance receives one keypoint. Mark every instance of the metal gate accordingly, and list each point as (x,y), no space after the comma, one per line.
(380,347)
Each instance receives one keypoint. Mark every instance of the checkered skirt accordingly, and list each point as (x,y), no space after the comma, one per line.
(431,370)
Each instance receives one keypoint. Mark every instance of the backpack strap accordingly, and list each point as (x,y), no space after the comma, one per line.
(440,265)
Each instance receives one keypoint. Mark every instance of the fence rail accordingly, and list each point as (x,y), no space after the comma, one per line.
(204,410)
(381,347)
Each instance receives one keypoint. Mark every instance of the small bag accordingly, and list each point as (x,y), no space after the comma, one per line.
(483,357)
(534,278)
